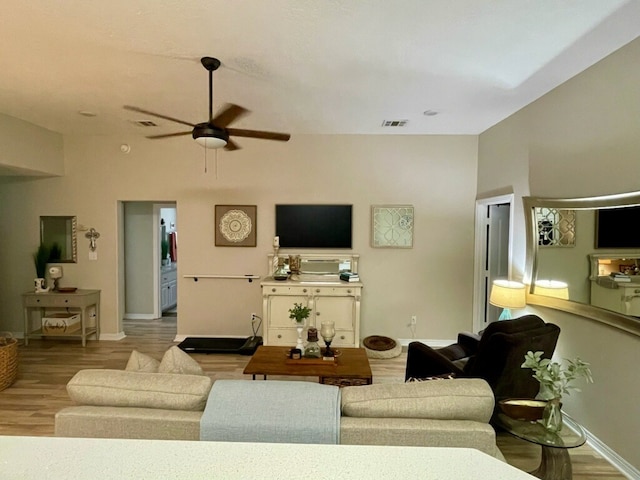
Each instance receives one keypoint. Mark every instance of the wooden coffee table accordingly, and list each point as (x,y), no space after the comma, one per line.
(350,368)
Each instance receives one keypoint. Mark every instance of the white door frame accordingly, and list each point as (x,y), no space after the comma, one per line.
(480,252)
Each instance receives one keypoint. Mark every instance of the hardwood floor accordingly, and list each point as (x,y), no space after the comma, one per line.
(45,366)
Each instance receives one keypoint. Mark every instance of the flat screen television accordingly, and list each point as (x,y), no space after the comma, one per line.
(618,227)
(314,226)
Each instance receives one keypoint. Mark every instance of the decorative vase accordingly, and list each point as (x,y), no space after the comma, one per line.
(39,284)
(552,415)
(299,328)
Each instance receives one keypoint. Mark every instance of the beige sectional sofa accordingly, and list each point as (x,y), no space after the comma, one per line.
(134,404)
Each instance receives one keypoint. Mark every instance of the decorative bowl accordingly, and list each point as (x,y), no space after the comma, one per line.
(526,409)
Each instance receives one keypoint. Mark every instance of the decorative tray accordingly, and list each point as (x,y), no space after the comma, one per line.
(67,289)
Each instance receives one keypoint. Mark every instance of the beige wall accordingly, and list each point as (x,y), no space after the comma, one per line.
(581,139)
(436,174)
(29,150)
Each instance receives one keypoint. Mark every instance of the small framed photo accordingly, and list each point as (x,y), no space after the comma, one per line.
(235,225)
(392,226)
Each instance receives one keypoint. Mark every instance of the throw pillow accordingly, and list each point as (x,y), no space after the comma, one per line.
(139,362)
(444,376)
(176,361)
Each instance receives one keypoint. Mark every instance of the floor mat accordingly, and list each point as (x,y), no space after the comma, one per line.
(242,346)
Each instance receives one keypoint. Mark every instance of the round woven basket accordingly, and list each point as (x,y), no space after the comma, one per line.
(8,362)
(378,346)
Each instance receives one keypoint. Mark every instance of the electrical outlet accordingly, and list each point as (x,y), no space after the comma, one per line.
(414,319)
(253,316)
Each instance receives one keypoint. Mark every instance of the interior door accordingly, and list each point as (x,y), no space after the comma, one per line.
(497,253)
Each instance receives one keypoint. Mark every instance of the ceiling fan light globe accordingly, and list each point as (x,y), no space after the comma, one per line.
(209,136)
(211,142)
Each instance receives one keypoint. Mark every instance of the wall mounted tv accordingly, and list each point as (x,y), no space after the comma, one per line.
(314,226)
(618,227)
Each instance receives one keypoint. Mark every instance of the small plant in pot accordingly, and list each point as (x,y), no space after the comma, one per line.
(554,382)
(40,259)
(164,252)
(300,315)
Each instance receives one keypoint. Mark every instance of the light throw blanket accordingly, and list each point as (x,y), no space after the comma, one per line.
(272,412)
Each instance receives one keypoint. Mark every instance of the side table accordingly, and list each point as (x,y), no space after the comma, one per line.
(80,300)
(555,463)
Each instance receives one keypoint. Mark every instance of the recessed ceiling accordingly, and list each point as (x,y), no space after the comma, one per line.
(300,66)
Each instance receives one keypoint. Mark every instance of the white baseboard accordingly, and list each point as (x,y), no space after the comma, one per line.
(139,316)
(431,342)
(112,337)
(612,457)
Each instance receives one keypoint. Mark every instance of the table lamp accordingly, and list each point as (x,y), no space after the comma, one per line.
(507,295)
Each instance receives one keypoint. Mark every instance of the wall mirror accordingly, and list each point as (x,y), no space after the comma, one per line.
(60,231)
(562,248)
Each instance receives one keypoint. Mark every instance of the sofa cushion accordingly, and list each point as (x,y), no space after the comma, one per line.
(121,388)
(139,362)
(175,360)
(455,399)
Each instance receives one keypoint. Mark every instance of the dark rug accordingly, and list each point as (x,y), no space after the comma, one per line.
(242,346)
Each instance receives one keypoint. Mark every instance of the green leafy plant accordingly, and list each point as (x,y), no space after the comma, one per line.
(554,379)
(40,259)
(55,253)
(164,249)
(299,313)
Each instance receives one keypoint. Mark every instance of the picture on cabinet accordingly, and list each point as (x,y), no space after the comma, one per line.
(235,225)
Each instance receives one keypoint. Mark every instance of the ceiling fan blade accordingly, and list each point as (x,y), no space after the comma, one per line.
(238,132)
(168,135)
(227,114)
(231,145)
(159,115)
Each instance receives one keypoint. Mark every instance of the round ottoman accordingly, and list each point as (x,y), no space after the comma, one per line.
(378,346)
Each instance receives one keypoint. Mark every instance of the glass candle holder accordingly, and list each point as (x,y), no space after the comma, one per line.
(328,331)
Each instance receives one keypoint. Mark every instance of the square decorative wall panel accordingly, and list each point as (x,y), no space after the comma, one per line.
(236,225)
(392,226)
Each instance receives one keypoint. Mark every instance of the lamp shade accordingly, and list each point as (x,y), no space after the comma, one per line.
(508,294)
(552,288)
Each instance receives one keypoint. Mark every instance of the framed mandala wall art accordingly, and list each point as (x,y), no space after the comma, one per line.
(236,225)
(392,226)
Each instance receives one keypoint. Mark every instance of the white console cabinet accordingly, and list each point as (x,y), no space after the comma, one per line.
(328,298)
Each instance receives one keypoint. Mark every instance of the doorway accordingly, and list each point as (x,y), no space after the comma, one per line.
(143,271)
(494,221)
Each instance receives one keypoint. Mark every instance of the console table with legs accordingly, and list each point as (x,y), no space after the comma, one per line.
(79,301)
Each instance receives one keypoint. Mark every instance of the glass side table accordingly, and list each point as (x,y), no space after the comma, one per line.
(555,463)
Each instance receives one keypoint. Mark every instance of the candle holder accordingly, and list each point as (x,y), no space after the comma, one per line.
(328,331)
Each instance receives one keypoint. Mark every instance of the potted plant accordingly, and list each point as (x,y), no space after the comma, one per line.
(164,252)
(554,382)
(300,315)
(40,259)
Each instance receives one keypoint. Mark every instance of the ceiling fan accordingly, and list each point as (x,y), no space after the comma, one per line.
(215,132)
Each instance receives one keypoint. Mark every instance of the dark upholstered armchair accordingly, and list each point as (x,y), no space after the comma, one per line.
(496,356)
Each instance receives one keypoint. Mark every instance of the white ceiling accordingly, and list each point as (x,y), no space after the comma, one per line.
(300,66)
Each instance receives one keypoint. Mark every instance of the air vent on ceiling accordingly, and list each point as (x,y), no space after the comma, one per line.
(145,123)
(394,123)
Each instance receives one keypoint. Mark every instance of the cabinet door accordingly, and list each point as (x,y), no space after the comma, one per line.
(164,297)
(173,294)
(340,310)
(278,310)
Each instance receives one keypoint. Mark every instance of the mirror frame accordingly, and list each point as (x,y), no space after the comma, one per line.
(608,317)
(73,233)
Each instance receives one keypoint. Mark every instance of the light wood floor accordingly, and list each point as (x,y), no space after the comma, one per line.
(45,366)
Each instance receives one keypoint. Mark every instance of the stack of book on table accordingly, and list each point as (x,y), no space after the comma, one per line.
(349,277)
(620,277)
